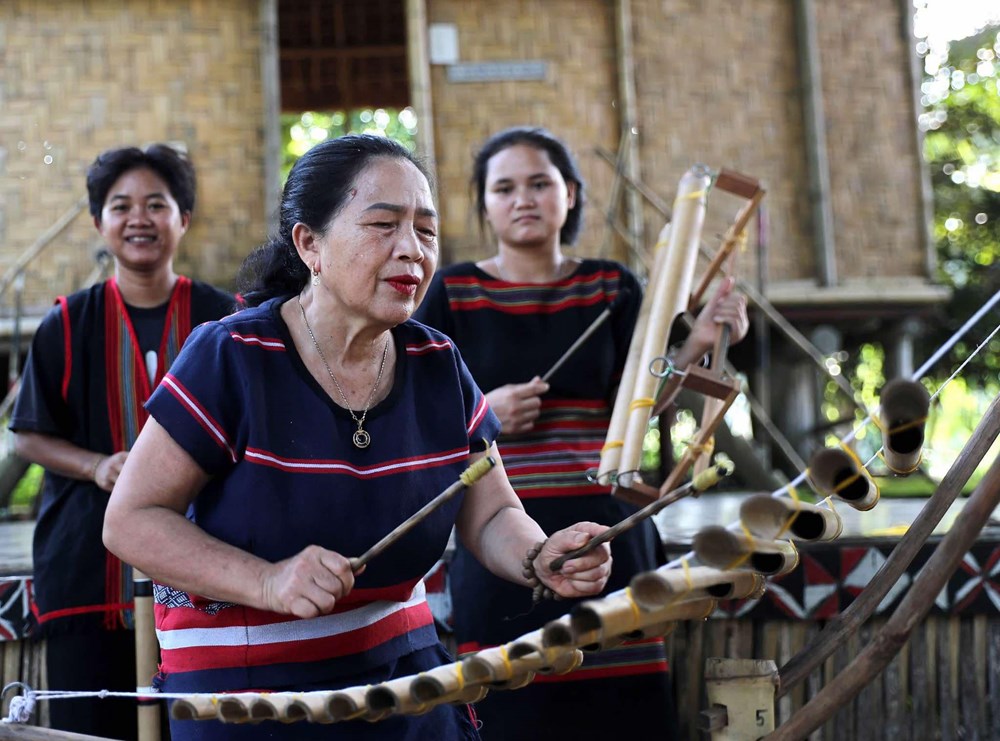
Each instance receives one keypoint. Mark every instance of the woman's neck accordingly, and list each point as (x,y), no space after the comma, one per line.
(532,265)
(145,290)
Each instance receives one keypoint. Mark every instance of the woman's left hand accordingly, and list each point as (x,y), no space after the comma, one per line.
(579,577)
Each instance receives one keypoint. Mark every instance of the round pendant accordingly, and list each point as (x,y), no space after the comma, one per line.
(361,439)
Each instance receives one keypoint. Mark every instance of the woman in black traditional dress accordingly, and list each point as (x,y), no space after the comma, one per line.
(512,316)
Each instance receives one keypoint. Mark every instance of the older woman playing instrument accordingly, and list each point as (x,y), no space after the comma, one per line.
(513,315)
(94,360)
(296,434)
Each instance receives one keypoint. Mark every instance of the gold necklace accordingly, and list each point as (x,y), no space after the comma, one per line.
(361,438)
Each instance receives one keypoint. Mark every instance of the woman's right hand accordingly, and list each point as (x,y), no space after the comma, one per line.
(517,404)
(308,584)
(106,472)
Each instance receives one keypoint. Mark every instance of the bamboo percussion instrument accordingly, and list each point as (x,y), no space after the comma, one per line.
(716,546)
(594,326)
(902,416)
(669,298)
(833,472)
(195,707)
(314,706)
(659,589)
(749,188)
(394,698)
(611,452)
(776,517)
(705,480)
(468,477)
(147,657)
(253,707)
(446,684)
(616,618)
(349,703)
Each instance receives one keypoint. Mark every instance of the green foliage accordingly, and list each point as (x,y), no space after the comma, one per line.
(300,131)
(961,95)
(27,488)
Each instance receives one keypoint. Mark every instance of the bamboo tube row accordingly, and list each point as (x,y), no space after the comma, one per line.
(557,648)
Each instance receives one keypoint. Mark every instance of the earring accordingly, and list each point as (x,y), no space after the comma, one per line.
(315,277)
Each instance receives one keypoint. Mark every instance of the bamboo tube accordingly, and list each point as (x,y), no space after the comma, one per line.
(716,546)
(315,706)
(776,517)
(279,706)
(687,611)
(655,590)
(441,682)
(349,703)
(670,298)
(516,681)
(195,707)
(235,707)
(903,414)
(609,622)
(612,450)
(147,657)
(530,652)
(394,697)
(833,472)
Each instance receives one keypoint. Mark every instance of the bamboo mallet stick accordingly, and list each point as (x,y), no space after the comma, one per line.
(706,479)
(469,476)
(594,326)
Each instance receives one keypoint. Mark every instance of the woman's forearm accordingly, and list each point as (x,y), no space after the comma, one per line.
(171,549)
(57,455)
(504,541)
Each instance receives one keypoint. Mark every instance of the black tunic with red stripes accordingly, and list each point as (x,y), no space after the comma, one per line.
(509,333)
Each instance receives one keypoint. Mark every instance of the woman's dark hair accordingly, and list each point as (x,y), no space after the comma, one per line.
(315,192)
(559,155)
(171,165)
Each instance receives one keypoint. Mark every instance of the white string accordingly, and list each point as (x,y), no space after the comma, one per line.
(916,375)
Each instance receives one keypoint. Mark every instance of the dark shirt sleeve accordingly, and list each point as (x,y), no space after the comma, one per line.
(200,401)
(40,405)
(482,424)
(434,310)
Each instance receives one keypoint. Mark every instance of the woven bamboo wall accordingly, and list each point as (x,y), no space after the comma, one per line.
(576,38)
(78,78)
(718,83)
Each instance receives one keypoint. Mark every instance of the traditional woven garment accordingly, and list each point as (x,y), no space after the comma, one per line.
(509,333)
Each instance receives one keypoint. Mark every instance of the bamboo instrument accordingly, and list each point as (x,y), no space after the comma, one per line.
(749,188)
(670,296)
(775,517)
(903,414)
(656,590)
(147,657)
(834,472)
(616,618)
(705,480)
(612,450)
(394,698)
(349,703)
(446,683)
(468,477)
(315,706)
(253,707)
(716,546)
(195,707)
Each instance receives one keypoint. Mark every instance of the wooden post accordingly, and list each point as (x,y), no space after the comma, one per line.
(147,657)
(740,692)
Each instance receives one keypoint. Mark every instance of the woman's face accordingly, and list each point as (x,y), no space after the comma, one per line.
(141,222)
(526,198)
(378,254)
